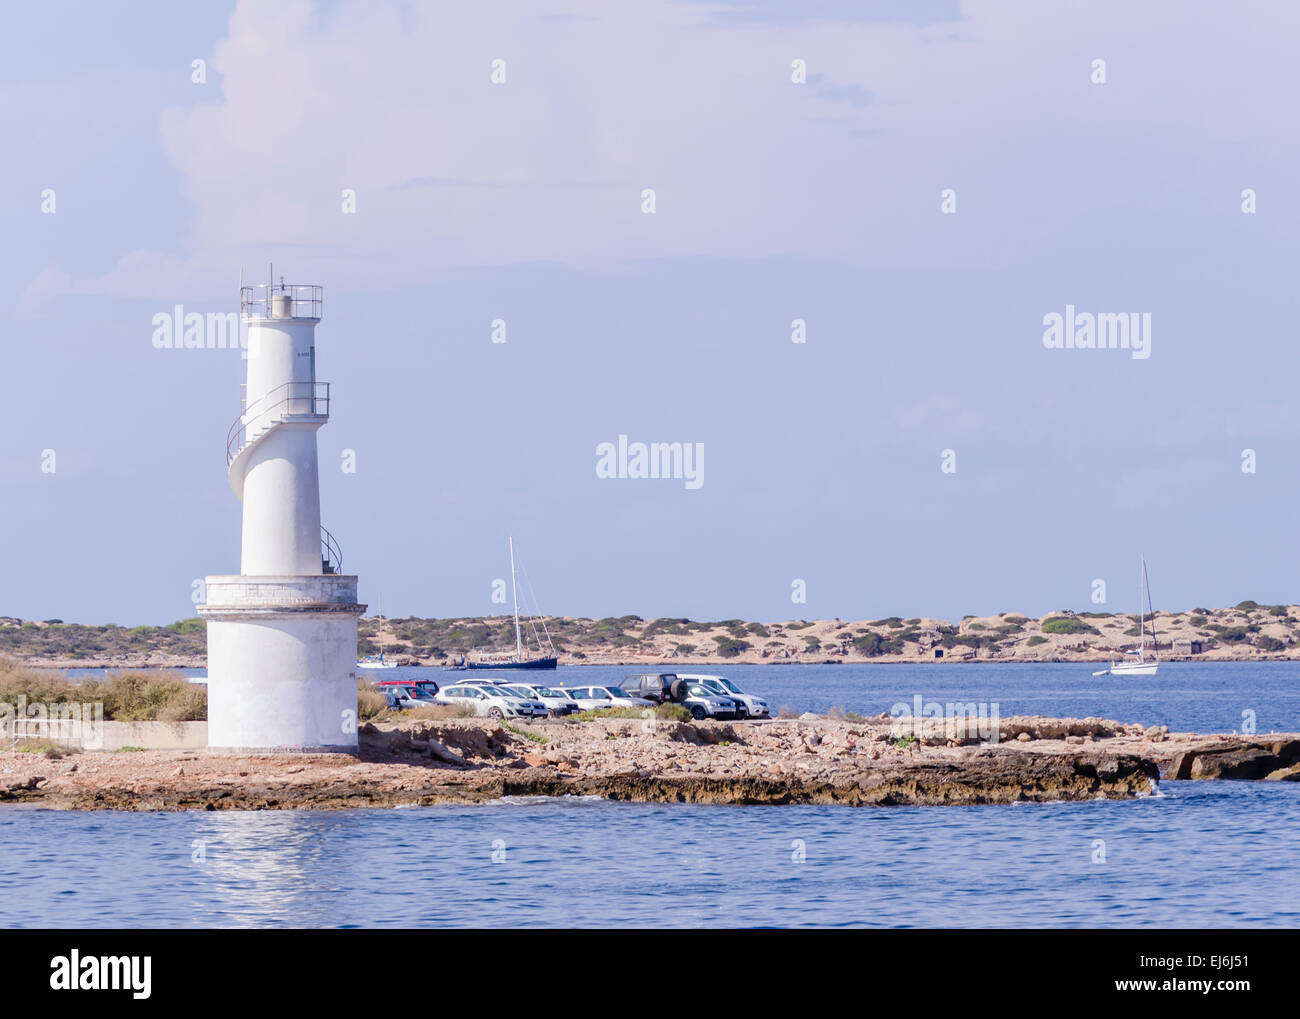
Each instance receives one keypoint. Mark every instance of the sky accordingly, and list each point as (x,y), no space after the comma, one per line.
(922,184)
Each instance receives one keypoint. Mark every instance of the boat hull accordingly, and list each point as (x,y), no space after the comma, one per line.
(1144,669)
(531,663)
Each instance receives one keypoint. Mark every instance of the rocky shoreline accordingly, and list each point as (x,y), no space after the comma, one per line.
(817,760)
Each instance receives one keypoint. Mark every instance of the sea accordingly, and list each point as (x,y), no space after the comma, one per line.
(1196,854)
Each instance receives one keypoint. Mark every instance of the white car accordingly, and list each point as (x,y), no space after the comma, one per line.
(490,700)
(754,706)
(702,703)
(593,698)
(557,703)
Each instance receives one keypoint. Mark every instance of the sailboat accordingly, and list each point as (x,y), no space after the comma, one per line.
(377,661)
(1141,667)
(519,660)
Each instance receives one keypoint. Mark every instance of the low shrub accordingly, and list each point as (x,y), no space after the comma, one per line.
(730,647)
(1067,624)
(126,696)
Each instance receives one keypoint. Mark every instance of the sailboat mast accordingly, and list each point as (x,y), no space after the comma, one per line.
(514,590)
(1142,604)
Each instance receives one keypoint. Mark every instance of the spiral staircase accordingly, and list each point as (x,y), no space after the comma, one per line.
(292,403)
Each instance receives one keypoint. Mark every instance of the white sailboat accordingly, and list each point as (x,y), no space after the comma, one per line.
(377,661)
(1141,667)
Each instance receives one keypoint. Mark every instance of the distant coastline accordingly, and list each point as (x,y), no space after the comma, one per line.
(1246,632)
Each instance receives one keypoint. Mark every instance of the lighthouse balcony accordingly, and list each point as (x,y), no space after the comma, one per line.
(290,403)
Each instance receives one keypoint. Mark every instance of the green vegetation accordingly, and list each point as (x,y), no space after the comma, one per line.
(50,750)
(730,647)
(868,644)
(665,712)
(126,696)
(535,737)
(54,639)
(370,702)
(1067,624)
(1231,634)
(1035,640)
(1266,643)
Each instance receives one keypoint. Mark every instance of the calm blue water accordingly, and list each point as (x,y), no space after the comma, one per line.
(1205,854)
(1217,854)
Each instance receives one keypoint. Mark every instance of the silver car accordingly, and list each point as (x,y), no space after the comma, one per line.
(490,700)
(752,705)
(704,703)
(593,698)
(556,701)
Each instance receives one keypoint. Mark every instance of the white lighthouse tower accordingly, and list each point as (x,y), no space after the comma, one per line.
(282,636)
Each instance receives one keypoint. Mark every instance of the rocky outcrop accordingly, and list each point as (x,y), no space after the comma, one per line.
(1236,758)
(815,760)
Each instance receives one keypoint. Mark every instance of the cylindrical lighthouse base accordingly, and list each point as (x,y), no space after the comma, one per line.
(282,657)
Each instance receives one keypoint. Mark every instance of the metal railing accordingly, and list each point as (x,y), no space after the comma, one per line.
(283,403)
(266,300)
(331,556)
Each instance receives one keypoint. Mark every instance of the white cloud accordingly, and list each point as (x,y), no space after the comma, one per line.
(395,102)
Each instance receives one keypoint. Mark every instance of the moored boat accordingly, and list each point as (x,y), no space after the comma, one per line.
(546,657)
(1142,667)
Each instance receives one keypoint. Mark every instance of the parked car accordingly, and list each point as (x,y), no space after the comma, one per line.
(593,698)
(704,703)
(659,687)
(408,695)
(428,685)
(753,705)
(490,700)
(557,702)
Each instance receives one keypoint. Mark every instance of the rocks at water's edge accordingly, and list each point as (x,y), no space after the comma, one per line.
(819,760)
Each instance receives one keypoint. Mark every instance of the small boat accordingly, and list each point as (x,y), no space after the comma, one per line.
(1141,667)
(519,660)
(377,661)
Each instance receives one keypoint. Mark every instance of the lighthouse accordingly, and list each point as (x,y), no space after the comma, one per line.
(282,635)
